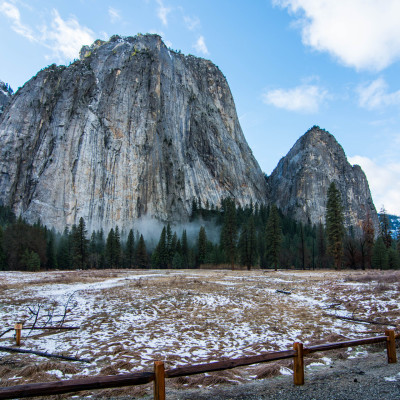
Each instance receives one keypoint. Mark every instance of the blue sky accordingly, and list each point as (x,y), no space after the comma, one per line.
(290,64)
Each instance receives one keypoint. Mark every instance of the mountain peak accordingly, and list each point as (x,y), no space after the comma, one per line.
(300,182)
(130,129)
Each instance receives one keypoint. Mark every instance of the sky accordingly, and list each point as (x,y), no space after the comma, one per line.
(290,64)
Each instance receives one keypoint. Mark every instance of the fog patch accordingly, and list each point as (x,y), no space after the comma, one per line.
(151,229)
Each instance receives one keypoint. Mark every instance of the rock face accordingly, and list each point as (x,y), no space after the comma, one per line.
(130,129)
(5,96)
(299,184)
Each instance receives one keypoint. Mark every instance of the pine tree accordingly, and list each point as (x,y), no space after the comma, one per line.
(248,244)
(130,250)
(302,247)
(93,255)
(168,247)
(398,241)
(100,248)
(80,245)
(64,250)
(273,237)
(385,232)
(351,252)
(159,257)
(194,208)
(201,246)
(185,250)
(50,251)
(393,259)
(110,249)
(3,260)
(335,224)
(379,254)
(321,246)
(117,247)
(229,231)
(367,241)
(30,261)
(19,237)
(142,259)
(177,261)
(174,243)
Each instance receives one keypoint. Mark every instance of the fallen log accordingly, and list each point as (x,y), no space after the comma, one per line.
(361,321)
(283,291)
(333,305)
(68,328)
(51,327)
(43,354)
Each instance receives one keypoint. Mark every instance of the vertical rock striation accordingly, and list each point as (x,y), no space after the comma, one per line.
(299,183)
(130,129)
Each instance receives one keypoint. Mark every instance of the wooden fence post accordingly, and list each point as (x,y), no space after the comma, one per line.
(159,380)
(18,328)
(391,346)
(298,364)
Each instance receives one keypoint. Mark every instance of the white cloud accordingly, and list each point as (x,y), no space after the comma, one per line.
(191,23)
(375,95)
(66,37)
(114,14)
(201,47)
(12,12)
(162,12)
(303,98)
(364,34)
(383,182)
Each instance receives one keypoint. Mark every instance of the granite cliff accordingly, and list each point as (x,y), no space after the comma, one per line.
(299,183)
(5,96)
(133,128)
(130,129)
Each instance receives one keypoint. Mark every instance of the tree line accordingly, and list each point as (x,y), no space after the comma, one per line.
(251,236)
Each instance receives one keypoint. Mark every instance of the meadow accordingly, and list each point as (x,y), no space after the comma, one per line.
(129,318)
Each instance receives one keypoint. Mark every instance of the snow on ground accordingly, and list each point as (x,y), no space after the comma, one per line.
(129,318)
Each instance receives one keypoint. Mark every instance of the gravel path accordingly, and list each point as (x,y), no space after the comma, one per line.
(351,379)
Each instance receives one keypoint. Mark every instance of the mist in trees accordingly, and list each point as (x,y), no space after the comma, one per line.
(253,236)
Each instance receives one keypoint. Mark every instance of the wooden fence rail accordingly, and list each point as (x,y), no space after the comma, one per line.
(159,375)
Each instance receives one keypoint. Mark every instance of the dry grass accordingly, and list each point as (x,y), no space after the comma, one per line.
(373,276)
(272,369)
(187,317)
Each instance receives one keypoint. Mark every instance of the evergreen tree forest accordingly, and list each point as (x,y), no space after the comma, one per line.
(255,236)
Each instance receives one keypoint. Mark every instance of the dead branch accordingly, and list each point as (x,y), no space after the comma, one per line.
(66,309)
(334,305)
(36,314)
(6,331)
(283,291)
(361,321)
(43,354)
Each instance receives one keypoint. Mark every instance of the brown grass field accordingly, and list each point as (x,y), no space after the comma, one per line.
(129,318)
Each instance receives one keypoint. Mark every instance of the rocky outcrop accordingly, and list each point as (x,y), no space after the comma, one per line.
(299,184)
(130,129)
(5,96)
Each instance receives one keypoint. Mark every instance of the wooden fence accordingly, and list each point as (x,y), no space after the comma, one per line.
(159,374)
